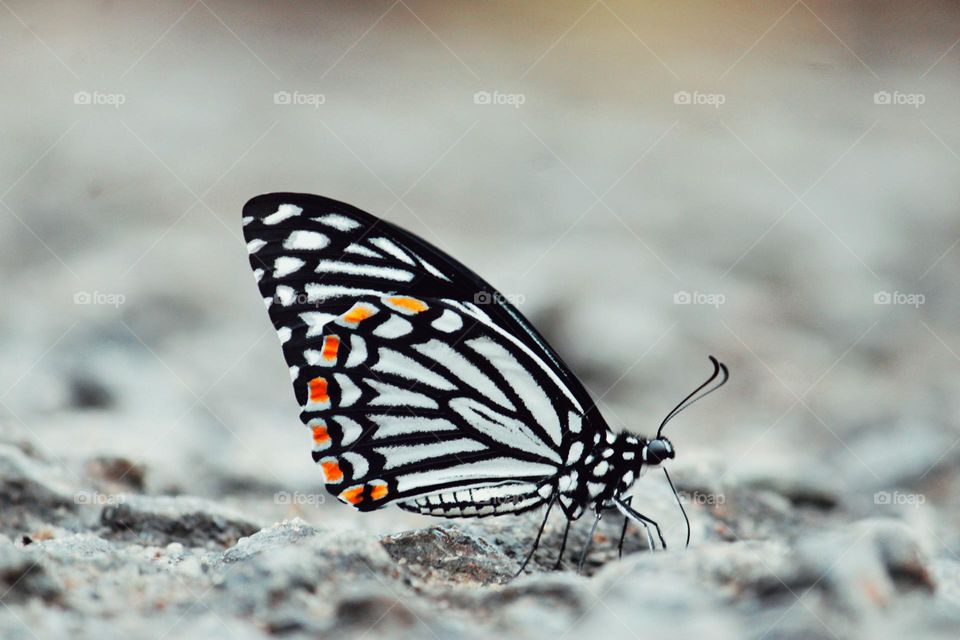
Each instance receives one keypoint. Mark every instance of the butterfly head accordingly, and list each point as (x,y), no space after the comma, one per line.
(657,451)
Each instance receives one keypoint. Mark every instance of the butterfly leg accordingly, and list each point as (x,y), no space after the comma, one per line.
(586,546)
(639,518)
(623,534)
(563,546)
(536,542)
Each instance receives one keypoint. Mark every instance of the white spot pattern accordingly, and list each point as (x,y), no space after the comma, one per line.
(305,241)
(282,213)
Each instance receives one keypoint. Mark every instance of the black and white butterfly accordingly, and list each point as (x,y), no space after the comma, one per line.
(422,386)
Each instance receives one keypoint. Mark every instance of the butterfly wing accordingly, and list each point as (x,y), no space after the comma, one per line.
(421,385)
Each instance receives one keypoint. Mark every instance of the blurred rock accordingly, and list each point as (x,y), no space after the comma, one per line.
(22,577)
(88,393)
(31,491)
(161,520)
(117,474)
(448,554)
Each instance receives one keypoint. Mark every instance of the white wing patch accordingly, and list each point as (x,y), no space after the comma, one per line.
(285,295)
(324,292)
(574,422)
(389,425)
(371,271)
(338,222)
(401,455)
(358,462)
(285,265)
(525,386)
(448,322)
(315,358)
(463,369)
(392,396)
(483,469)
(361,250)
(393,362)
(394,327)
(387,245)
(282,213)
(432,269)
(349,392)
(316,321)
(358,351)
(306,241)
(351,429)
(474,311)
(503,429)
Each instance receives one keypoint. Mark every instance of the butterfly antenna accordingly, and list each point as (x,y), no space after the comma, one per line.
(679,504)
(718,368)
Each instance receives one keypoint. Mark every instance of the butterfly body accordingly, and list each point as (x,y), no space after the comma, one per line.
(420,384)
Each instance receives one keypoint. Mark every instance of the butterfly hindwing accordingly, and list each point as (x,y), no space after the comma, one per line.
(420,385)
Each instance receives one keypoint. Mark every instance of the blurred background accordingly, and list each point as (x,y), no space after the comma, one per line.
(774,183)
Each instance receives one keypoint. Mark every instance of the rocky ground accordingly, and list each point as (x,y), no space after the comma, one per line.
(768,560)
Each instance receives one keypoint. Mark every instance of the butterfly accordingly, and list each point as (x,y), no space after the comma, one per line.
(423,387)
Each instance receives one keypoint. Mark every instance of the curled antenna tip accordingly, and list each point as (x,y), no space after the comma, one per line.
(692,397)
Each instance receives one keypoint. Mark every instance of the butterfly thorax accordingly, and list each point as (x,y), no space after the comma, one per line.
(607,470)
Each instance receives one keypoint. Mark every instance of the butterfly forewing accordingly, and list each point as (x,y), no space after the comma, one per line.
(421,386)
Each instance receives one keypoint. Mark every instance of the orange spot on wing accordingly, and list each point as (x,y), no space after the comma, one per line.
(378,491)
(318,390)
(353,495)
(358,313)
(320,434)
(331,344)
(407,303)
(331,470)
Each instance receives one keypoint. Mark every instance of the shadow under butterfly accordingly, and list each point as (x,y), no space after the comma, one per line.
(423,387)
